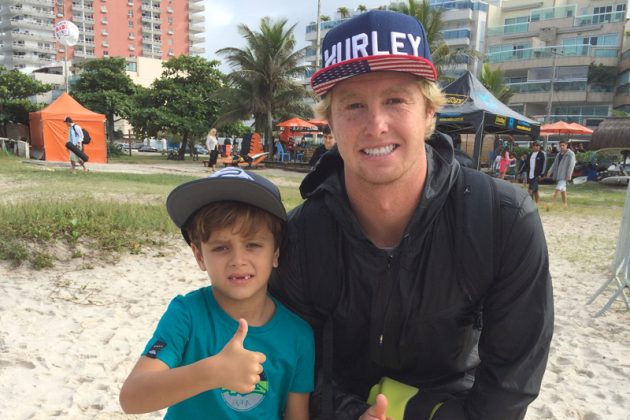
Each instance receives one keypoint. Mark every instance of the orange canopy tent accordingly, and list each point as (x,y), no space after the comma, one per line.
(50,134)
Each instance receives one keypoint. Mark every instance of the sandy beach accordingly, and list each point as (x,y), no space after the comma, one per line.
(70,335)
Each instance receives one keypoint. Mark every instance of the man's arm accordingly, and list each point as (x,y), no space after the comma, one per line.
(572,162)
(517,320)
(152,385)
(297,406)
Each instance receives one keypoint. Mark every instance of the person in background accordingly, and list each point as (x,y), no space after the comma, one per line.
(329,142)
(228,350)
(75,136)
(390,257)
(561,171)
(535,166)
(212,144)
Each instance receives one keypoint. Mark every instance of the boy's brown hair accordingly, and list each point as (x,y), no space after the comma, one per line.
(246,218)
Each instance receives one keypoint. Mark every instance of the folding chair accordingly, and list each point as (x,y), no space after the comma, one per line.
(281,154)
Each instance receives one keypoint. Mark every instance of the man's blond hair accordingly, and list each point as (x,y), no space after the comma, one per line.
(434,99)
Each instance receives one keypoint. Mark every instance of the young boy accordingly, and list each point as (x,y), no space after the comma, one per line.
(228,350)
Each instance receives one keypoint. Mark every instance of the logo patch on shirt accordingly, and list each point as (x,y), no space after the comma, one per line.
(155,349)
(246,402)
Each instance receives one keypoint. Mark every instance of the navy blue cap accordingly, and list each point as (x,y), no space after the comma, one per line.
(377,40)
(228,184)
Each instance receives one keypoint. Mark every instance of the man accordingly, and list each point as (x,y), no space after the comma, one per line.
(391,259)
(561,171)
(75,136)
(535,165)
(329,142)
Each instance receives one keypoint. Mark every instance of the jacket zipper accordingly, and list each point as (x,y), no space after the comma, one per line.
(380,339)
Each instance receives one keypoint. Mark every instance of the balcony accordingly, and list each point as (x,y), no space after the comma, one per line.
(543,57)
(35,36)
(569,91)
(196,6)
(622,96)
(32,11)
(196,18)
(195,28)
(30,23)
(27,46)
(513,28)
(450,15)
(82,7)
(600,19)
(196,49)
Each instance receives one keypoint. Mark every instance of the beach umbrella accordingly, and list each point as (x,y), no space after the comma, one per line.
(296,123)
(559,127)
(318,122)
(580,129)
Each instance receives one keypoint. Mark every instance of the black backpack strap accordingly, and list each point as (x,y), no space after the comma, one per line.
(476,197)
(322,266)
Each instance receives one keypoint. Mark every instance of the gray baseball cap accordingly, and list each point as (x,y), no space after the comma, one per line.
(228,184)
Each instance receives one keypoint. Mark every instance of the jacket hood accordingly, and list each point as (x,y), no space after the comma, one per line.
(442,171)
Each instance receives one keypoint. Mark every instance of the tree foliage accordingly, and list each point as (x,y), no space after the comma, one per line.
(15,89)
(105,87)
(495,83)
(183,100)
(343,12)
(263,82)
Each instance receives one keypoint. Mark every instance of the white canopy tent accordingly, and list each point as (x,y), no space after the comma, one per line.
(620,267)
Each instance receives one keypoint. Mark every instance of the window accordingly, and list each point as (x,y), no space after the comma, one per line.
(170,20)
(130,13)
(131,35)
(130,24)
(132,66)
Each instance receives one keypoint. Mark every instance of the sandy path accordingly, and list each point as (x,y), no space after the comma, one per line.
(70,335)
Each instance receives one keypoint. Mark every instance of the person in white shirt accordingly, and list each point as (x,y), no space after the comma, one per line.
(535,166)
(212,144)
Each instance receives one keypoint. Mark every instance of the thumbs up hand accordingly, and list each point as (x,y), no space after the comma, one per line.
(241,366)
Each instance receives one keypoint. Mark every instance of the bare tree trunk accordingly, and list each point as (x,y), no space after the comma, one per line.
(182,150)
(269,131)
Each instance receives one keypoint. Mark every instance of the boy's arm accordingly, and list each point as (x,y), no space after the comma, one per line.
(152,385)
(297,406)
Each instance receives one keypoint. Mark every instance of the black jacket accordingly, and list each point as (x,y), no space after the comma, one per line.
(541,164)
(405,315)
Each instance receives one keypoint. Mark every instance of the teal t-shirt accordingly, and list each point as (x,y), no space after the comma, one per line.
(195,327)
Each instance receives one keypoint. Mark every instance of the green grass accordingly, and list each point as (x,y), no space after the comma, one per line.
(48,214)
(89,214)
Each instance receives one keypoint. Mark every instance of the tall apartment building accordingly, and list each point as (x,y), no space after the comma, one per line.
(108,28)
(464,25)
(464,28)
(564,59)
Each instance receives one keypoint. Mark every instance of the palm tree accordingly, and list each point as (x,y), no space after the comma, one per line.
(324,18)
(343,12)
(494,82)
(361,8)
(263,83)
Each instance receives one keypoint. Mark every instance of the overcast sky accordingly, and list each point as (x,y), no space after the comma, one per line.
(223,17)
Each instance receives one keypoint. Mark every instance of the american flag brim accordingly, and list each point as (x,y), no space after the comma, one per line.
(326,78)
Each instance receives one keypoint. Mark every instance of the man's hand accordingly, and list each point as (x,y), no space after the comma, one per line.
(242,367)
(378,410)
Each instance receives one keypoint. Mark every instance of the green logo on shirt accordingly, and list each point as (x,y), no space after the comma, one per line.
(246,402)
